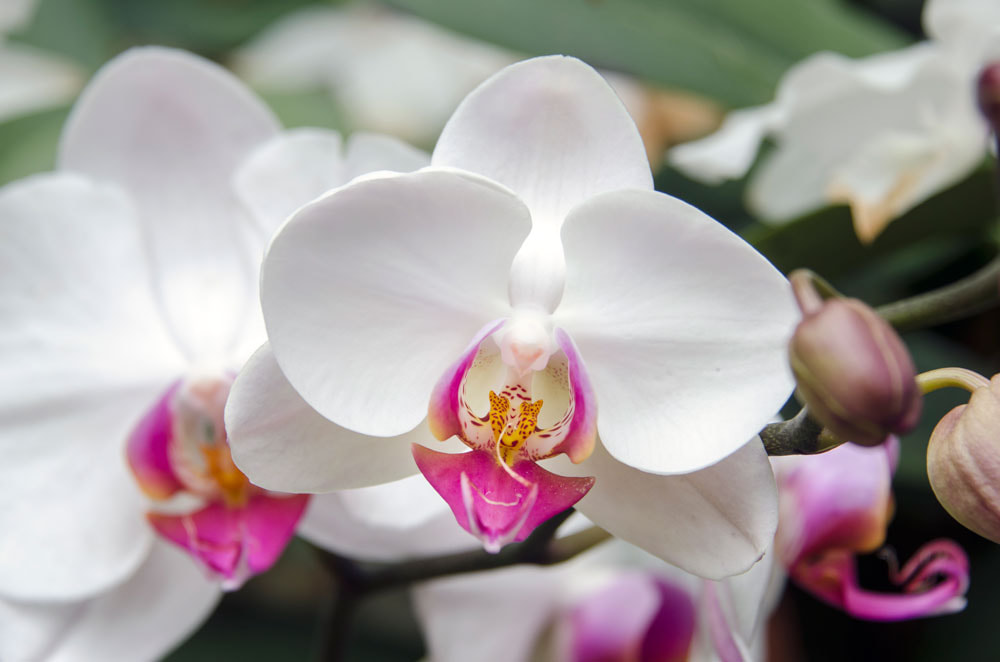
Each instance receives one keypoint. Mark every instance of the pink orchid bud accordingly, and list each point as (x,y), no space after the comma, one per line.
(853,370)
(988,92)
(963,461)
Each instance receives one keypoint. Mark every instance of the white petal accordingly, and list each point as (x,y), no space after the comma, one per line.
(31,80)
(368,152)
(683,328)
(143,619)
(836,107)
(712,523)
(170,128)
(288,171)
(84,355)
(957,20)
(370,293)
(300,165)
(552,130)
(391,522)
(493,616)
(283,444)
(729,152)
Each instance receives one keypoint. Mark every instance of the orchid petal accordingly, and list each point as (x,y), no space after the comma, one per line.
(288,171)
(283,444)
(170,128)
(298,166)
(839,499)
(359,322)
(527,596)
(122,624)
(84,357)
(391,522)
(553,131)
(370,152)
(712,523)
(678,320)
(147,450)
(729,152)
(636,616)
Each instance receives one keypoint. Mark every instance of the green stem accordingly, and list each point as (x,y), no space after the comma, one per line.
(968,296)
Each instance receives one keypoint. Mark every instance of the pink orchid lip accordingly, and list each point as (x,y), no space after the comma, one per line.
(235,543)
(180,448)
(495,503)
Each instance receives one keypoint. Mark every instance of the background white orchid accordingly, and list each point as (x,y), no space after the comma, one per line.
(130,267)
(881,133)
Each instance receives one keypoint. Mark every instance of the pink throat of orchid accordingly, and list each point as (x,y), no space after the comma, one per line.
(497,491)
(202,502)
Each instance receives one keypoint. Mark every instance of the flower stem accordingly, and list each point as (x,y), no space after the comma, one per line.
(968,296)
(932,380)
(800,435)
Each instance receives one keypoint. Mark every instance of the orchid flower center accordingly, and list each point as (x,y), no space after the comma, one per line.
(203,503)
(199,452)
(498,492)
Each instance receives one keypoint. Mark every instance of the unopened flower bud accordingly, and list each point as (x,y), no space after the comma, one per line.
(988,93)
(963,461)
(853,371)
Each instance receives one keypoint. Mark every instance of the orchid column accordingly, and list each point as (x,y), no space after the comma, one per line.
(532,260)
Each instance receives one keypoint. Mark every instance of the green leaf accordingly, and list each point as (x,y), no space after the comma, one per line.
(209,27)
(731,50)
(79,29)
(28,144)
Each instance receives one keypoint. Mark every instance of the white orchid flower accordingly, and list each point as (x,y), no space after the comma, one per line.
(471,294)
(30,79)
(610,603)
(128,301)
(881,134)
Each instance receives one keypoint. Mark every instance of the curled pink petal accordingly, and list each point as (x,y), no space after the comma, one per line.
(447,398)
(147,449)
(497,504)
(235,543)
(934,582)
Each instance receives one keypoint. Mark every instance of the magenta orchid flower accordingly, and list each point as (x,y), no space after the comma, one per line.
(837,505)
(497,299)
(612,603)
(128,301)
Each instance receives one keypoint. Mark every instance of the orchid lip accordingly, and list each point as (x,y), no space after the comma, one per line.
(202,502)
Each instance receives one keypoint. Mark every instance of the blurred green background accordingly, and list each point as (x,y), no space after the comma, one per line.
(732,52)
